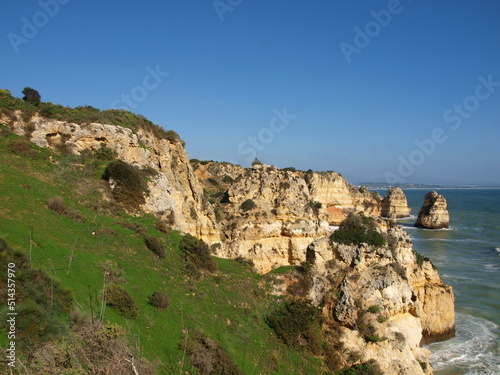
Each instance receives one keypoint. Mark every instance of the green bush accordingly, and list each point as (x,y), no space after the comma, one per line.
(197,253)
(31,95)
(248,205)
(155,245)
(296,322)
(131,183)
(374,309)
(159,299)
(365,368)
(104,153)
(227,179)
(118,299)
(358,229)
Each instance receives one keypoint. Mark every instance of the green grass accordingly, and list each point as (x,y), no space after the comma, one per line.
(229,306)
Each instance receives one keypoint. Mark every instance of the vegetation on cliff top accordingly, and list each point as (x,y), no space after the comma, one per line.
(79,115)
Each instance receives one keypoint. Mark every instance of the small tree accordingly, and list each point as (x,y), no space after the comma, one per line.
(31,95)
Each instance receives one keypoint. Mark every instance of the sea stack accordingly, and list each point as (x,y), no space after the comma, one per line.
(434,212)
(395,205)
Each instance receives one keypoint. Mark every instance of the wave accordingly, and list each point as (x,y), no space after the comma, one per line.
(497,249)
(474,350)
(466,240)
(492,267)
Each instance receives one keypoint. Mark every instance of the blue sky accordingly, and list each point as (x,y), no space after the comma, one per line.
(389,91)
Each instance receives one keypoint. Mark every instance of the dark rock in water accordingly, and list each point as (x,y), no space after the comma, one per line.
(434,212)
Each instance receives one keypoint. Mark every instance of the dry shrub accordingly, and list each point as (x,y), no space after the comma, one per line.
(159,299)
(92,348)
(161,226)
(208,356)
(58,205)
(136,227)
(21,146)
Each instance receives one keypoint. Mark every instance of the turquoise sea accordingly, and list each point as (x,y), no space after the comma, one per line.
(467,256)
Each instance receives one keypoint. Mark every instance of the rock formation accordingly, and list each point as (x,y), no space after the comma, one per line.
(176,195)
(434,212)
(394,205)
(413,305)
(280,217)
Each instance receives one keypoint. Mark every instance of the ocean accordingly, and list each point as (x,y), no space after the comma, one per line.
(467,256)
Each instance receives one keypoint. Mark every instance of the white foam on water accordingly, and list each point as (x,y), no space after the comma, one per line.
(474,350)
(492,267)
(497,249)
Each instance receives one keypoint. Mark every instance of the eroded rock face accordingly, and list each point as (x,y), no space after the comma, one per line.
(286,211)
(175,193)
(413,305)
(394,205)
(434,212)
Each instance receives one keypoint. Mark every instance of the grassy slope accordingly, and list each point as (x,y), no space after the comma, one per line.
(230,306)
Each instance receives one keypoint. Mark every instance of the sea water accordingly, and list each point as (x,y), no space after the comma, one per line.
(467,256)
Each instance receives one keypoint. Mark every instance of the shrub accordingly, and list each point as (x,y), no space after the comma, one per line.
(138,228)
(155,245)
(365,368)
(162,227)
(213,181)
(159,299)
(208,356)
(58,205)
(118,299)
(374,309)
(131,183)
(294,323)
(31,95)
(21,146)
(421,259)
(228,179)
(248,205)
(357,229)
(104,153)
(197,253)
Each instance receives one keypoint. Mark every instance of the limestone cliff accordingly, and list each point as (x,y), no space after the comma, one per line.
(380,301)
(434,212)
(270,215)
(175,193)
(284,217)
(394,204)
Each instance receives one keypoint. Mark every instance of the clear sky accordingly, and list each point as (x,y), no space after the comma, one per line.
(405,91)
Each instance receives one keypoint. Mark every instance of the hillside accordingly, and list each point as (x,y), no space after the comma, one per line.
(119,208)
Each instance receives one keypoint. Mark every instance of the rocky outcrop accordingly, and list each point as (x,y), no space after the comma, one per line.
(286,211)
(383,300)
(175,193)
(394,205)
(434,212)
